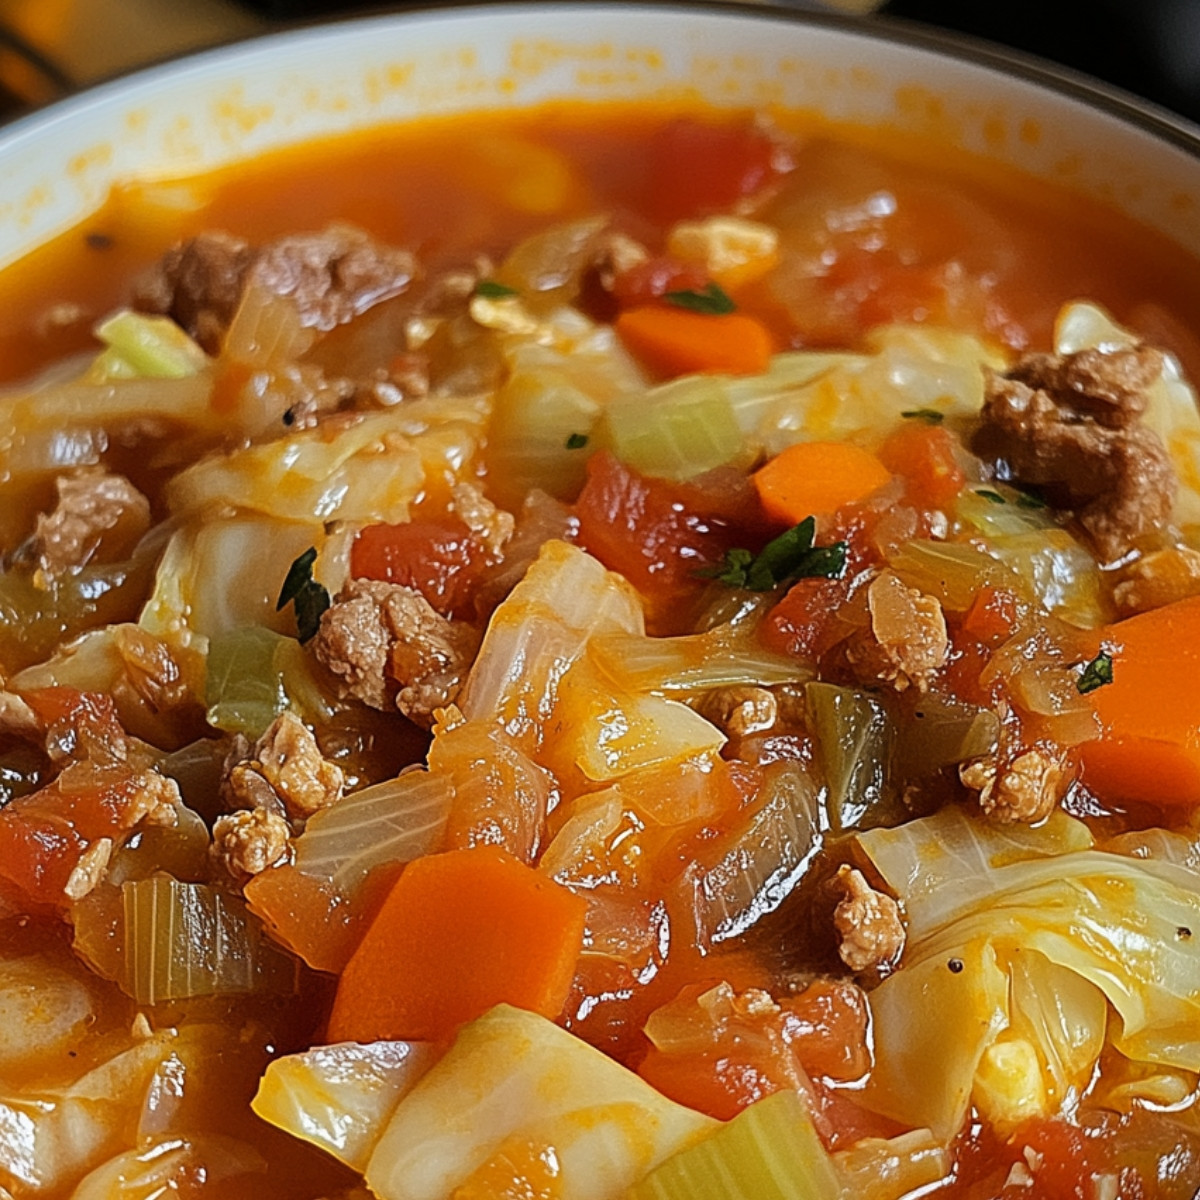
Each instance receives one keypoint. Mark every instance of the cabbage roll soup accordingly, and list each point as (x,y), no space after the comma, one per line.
(600,654)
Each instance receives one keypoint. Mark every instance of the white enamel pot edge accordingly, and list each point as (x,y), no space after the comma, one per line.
(221,106)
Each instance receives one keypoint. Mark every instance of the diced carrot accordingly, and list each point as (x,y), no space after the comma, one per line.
(1149,747)
(816,478)
(677,341)
(458,933)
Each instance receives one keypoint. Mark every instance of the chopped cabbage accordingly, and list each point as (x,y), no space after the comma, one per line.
(544,626)
(515,1078)
(371,469)
(43,1008)
(1108,927)
(340,1097)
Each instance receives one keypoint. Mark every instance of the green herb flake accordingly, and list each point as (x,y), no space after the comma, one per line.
(493,289)
(308,598)
(577,441)
(990,496)
(930,416)
(711,300)
(788,557)
(1025,500)
(1097,674)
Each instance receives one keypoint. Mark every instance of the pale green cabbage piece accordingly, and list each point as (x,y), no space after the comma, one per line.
(1121,925)
(340,1097)
(544,626)
(372,468)
(169,1166)
(514,1075)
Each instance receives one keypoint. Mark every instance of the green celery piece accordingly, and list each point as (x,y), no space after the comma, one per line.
(244,686)
(770,1151)
(676,431)
(154,347)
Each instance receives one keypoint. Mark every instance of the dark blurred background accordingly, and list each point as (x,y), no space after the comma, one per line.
(1149,47)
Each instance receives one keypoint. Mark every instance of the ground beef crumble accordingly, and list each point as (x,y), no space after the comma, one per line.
(391,649)
(1069,425)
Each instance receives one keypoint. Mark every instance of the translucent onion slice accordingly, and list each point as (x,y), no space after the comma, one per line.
(754,867)
(170,1166)
(726,656)
(266,330)
(392,822)
(953,572)
(184,940)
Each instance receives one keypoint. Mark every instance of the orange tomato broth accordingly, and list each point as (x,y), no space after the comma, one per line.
(430,187)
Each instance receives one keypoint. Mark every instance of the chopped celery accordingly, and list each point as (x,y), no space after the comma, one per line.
(153,347)
(854,739)
(184,940)
(254,674)
(943,732)
(769,1151)
(676,431)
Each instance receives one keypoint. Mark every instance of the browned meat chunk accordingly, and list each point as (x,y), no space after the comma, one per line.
(250,841)
(391,648)
(870,931)
(285,770)
(740,711)
(906,641)
(1024,788)
(1070,425)
(332,277)
(97,515)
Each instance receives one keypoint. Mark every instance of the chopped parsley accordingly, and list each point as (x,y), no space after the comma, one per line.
(711,300)
(990,496)
(493,289)
(306,596)
(788,557)
(930,416)
(577,441)
(1096,674)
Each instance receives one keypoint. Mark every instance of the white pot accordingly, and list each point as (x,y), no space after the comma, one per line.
(218,107)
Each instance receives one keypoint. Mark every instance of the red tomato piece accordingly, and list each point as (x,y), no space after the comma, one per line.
(652,279)
(992,616)
(658,533)
(439,557)
(699,168)
(923,456)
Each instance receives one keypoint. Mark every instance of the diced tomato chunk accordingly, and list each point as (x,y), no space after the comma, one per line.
(650,280)
(43,835)
(700,167)
(992,615)
(439,557)
(660,534)
(923,456)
